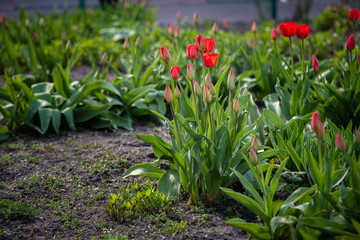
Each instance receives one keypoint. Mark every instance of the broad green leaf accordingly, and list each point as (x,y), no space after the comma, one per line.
(144,170)
(254,229)
(169,184)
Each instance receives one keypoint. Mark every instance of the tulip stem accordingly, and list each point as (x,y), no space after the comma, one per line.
(320,154)
(234,129)
(196,110)
(177,126)
(232,107)
(292,66)
(211,125)
(302,57)
(202,112)
(350,68)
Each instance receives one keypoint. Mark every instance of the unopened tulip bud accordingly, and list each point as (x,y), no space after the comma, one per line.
(200,43)
(206,94)
(171,30)
(175,72)
(255,144)
(226,25)
(251,43)
(231,80)
(274,34)
(236,107)
(3,20)
(245,91)
(103,58)
(126,43)
(197,89)
(178,16)
(315,63)
(177,92)
(212,89)
(168,94)
(196,18)
(253,157)
(357,136)
(207,79)
(27,23)
(68,45)
(165,55)
(126,4)
(156,54)
(215,28)
(253,27)
(88,11)
(42,22)
(350,43)
(340,144)
(190,71)
(138,41)
(317,126)
(75,28)
(177,32)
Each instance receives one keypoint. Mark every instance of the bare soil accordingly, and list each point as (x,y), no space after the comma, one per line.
(68,178)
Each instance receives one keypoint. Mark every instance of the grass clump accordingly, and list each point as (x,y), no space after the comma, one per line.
(16,210)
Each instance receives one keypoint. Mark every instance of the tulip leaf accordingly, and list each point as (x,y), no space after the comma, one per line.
(254,229)
(144,170)
(169,184)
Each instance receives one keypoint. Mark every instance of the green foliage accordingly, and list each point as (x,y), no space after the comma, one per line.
(17,210)
(134,201)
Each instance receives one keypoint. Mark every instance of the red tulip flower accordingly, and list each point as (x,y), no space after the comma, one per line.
(200,43)
(210,59)
(274,34)
(315,63)
(303,31)
(350,43)
(354,15)
(192,52)
(178,16)
(209,44)
(253,27)
(288,29)
(165,55)
(175,72)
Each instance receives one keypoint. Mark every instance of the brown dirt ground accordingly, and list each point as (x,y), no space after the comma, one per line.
(69,176)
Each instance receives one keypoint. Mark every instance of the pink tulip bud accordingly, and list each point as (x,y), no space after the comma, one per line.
(253,27)
(317,125)
(196,18)
(236,107)
(138,41)
(190,71)
(177,92)
(315,63)
(165,55)
(3,20)
(226,25)
(103,58)
(255,144)
(197,89)
(357,136)
(206,94)
(350,43)
(274,34)
(126,43)
(340,144)
(253,157)
(231,80)
(251,43)
(171,30)
(178,16)
(215,28)
(168,94)
(177,32)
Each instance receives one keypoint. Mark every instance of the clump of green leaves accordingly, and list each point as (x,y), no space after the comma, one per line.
(132,202)
(16,210)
